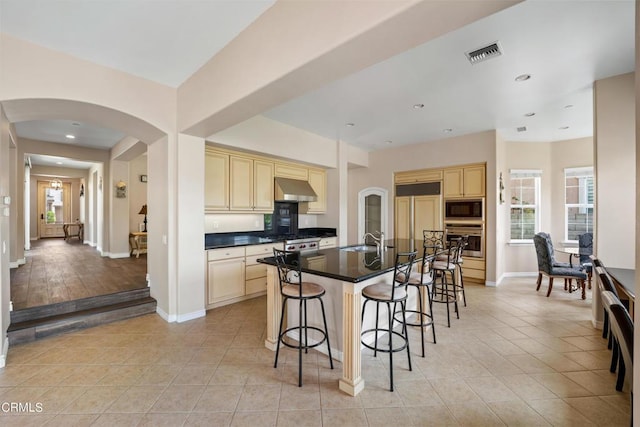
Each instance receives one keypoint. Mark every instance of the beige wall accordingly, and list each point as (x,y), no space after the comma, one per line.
(137,191)
(552,158)
(615,165)
(6,234)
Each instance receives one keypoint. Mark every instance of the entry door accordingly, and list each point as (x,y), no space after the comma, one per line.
(54,209)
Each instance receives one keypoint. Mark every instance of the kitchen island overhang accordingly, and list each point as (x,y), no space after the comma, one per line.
(343,273)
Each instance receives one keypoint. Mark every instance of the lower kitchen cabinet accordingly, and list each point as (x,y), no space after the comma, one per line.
(225,279)
(328,242)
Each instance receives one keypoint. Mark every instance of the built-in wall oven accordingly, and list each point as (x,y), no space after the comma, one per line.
(475,246)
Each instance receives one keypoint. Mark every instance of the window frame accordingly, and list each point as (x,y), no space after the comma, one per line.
(585,171)
(536,174)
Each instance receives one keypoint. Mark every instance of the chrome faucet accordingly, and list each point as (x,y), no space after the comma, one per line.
(378,240)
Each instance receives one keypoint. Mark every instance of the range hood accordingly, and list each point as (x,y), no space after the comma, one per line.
(294,190)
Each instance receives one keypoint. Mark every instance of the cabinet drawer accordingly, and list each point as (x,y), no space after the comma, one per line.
(328,242)
(474,263)
(255,271)
(225,253)
(264,250)
(256,285)
(473,274)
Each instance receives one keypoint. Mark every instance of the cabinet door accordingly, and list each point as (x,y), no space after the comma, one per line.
(474,181)
(318,181)
(216,184)
(241,184)
(453,183)
(225,279)
(262,186)
(287,170)
(427,215)
(403,218)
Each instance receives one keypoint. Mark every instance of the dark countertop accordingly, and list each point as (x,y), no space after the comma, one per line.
(227,240)
(350,266)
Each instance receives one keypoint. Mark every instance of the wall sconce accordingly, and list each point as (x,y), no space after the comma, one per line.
(501,187)
(121,189)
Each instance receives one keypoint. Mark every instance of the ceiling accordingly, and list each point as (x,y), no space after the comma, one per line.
(563,45)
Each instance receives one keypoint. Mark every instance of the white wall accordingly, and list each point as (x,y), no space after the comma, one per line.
(137,191)
(5,236)
(119,230)
(615,168)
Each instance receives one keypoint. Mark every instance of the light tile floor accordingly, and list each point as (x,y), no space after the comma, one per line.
(514,357)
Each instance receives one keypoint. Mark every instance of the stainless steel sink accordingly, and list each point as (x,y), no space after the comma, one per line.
(360,248)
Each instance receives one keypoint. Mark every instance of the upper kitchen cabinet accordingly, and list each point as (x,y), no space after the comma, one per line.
(318,181)
(216,185)
(251,184)
(424,175)
(467,181)
(287,170)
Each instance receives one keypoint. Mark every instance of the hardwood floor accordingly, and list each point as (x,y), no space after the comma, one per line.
(57,271)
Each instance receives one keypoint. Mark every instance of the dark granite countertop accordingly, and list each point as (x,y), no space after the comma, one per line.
(226,240)
(352,266)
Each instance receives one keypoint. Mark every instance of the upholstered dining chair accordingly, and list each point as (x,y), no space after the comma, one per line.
(585,245)
(546,266)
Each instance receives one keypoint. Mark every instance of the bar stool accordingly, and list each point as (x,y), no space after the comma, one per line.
(292,287)
(445,292)
(394,293)
(422,280)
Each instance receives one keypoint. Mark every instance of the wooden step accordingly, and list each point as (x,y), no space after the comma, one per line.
(22,315)
(33,329)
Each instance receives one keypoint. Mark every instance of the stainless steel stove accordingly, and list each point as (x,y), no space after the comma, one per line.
(305,244)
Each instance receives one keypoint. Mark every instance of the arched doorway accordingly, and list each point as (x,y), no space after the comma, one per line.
(372,211)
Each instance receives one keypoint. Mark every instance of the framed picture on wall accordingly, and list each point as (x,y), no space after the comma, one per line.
(143,178)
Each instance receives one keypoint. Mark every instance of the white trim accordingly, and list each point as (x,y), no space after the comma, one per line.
(490,284)
(598,324)
(18,263)
(167,317)
(521,274)
(5,352)
(120,255)
(33,239)
(190,316)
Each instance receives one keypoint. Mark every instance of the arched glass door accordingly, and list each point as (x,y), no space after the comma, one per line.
(372,211)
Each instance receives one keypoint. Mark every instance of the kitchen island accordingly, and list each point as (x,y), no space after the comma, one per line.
(343,272)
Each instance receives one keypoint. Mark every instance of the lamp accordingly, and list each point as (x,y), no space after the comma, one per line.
(56,184)
(143,211)
(121,189)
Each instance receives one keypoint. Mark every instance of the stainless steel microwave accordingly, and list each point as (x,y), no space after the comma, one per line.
(464,210)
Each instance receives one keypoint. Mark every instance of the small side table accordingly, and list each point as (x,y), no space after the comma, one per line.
(138,243)
(68,235)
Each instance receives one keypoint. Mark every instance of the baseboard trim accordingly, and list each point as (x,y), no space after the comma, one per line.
(190,316)
(5,352)
(598,324)
(119,255)
(169,318)
(490,284)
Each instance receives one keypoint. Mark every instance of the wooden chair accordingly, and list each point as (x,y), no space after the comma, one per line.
(544,252)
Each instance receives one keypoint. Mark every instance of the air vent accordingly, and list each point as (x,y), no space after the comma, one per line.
(522,129)
(484,53)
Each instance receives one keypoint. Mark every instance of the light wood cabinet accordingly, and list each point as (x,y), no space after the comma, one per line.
(328,242)
(416,213)
(318,181)
(287,170)
(464,182)
(225,274)
(412,177)
(241,184)
(216,184)
(263,185)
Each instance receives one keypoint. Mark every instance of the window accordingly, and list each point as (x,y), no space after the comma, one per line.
(578,206)
(525,199)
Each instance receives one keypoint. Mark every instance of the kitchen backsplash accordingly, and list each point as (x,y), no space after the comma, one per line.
(227,223)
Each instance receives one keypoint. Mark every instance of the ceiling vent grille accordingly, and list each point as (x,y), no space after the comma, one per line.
(522,129)
(484,53)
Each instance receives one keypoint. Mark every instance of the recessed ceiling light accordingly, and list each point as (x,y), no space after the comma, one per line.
(70,136)
(58,163)
(530,114)
(350,124)
(563,127)
(75,124)
(523,77)
(447,130)
(389,141)
(418,106)
(568,106)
